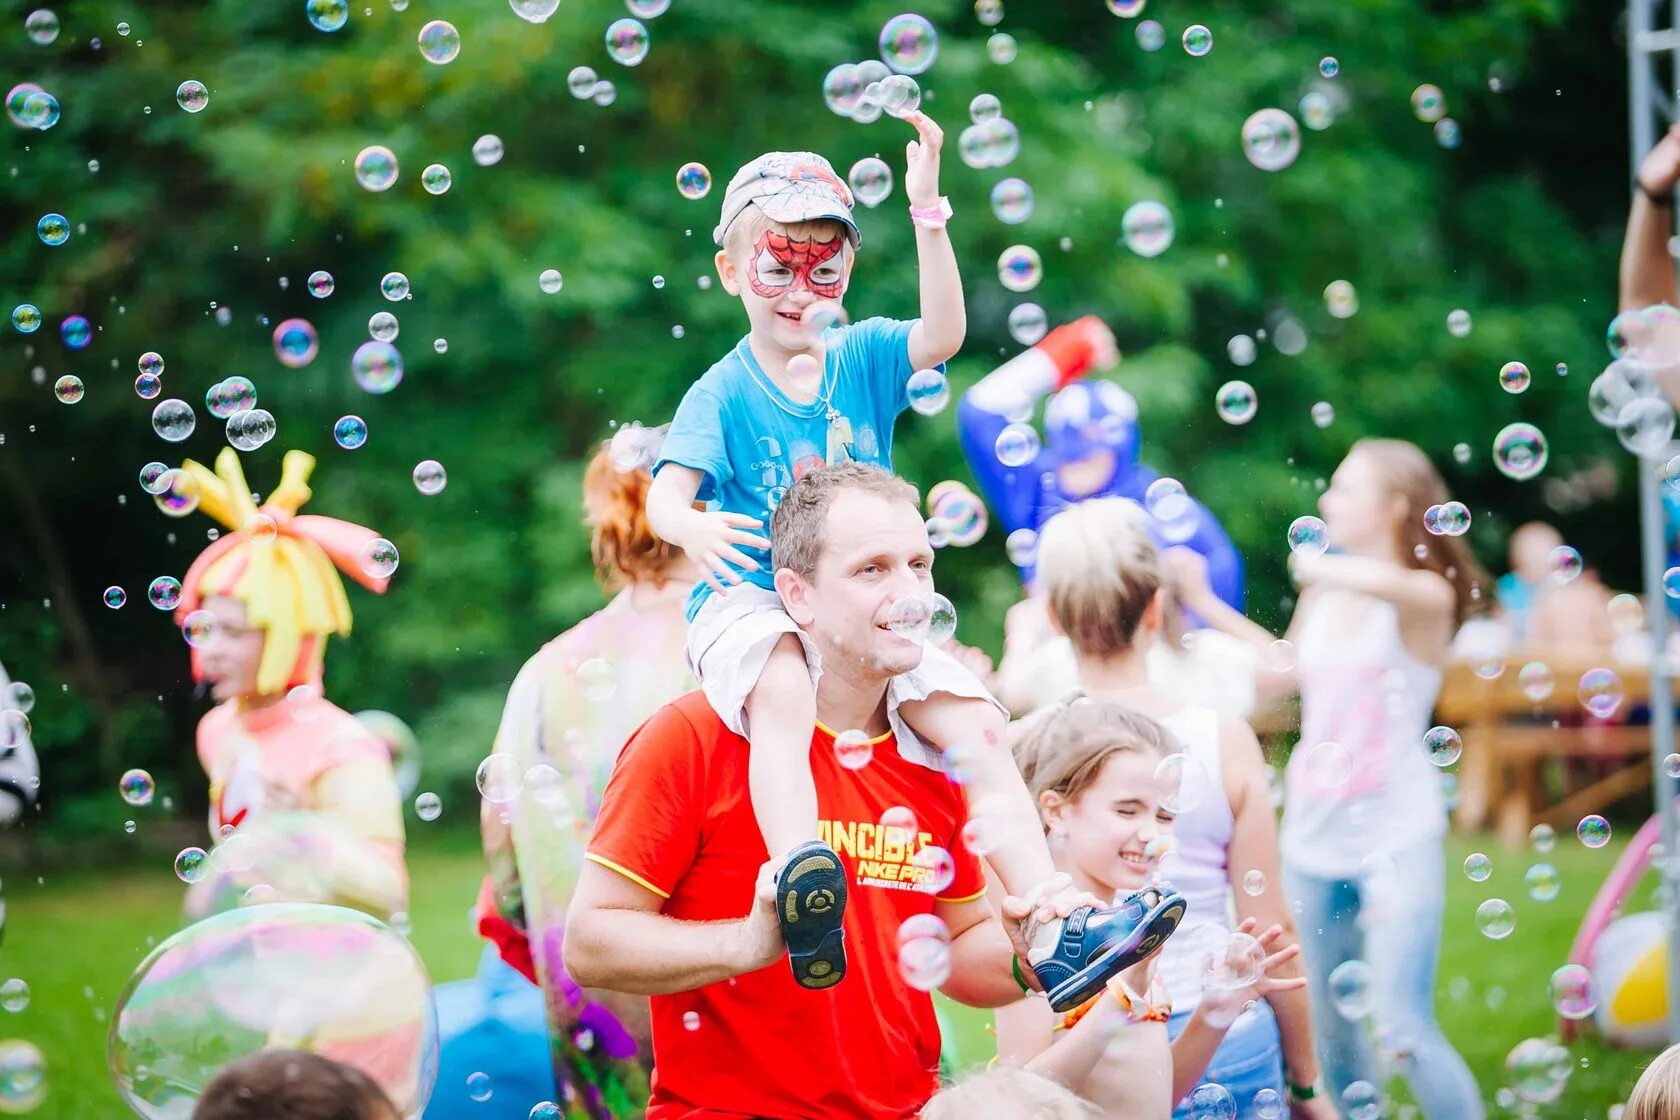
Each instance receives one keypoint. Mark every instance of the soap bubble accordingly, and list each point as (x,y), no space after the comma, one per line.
(1254,882)
(928,391)
(1542,882)
(41,26)
(1477,867)
(430,477)
(383,326)
(1458,323)
(1363,1101)
(1126,9)
(498,778)
(1329,67)
(428,807)
(1198,40)
(440,43)
(1535,680)
(1019,268)
(1012,201)
(115,597)
(164,593)
(192,96)
(1027,323)
(377,367)
(1645,426)
(627,41)
(1593,831)
(40,110)
(190,865)
(1147,228)
(1309,535)
(1017,445)
(909,44)
(1514,377)
(1429,103)
(179,494)
(68,389)
(910,617)
(479,1087)
(325,978)
(942,620)
(1351,990)
(137,787)
(1271,139)
(924,962)
(1212,1101)
(1565,563)
(350,432)
(1340,299)
(23,1076)
(376,168)
(984,107)
(1236,402)
(320,284)
(377,558)
(1329,765)
(871,181)
(693,181)
(534,11)
(436,178)
(26,317)
(853,750)
(296,343)
(1444,745)
(1001,48)
(1496,919)
(76,332)
(1543,837)
(1600,692)
(550,281)
(53,229)
(1182,782)
(1539,1068)
(328,15)
(487,150)
(1241,350)
(1520,451)
(173,420)
(842,89)
(1323,414)
(1573,994)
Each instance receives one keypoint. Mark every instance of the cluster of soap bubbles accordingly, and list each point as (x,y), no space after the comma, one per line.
(29,106)
(1429,104)
(585,85)
(1449,519)
(1644,345)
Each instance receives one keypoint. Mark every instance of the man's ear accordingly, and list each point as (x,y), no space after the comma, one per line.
(727,274)
(796,596)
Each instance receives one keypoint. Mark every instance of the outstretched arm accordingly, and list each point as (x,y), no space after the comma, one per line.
(944,323)
(1647,273)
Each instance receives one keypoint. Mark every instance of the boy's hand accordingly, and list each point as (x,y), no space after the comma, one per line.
(1660,169)
(710,540)
(921,161)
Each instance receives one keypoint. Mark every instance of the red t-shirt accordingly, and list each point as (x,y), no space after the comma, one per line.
(677,819)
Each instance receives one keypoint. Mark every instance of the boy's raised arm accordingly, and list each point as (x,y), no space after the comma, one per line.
(944,322)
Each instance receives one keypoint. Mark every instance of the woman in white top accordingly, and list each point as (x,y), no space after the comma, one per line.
(1101,577)
(1364,814)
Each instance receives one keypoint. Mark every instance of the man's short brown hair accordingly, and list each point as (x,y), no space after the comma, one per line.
(796,528)
(292,1085)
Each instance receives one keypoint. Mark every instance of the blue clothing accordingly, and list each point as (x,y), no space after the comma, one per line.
(492,1026)
(1027,496)
(1249,1059)
(751,442)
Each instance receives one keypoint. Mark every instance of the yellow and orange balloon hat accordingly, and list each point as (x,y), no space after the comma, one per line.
(279,564)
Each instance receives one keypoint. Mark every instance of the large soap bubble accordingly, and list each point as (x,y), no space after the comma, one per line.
(279,976)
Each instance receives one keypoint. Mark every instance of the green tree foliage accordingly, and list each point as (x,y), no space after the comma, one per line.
(233,207)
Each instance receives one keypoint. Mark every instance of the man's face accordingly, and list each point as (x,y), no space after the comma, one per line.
(781,275)
(875,553)
(229,658)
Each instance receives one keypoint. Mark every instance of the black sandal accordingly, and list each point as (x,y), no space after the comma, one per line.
(810,905)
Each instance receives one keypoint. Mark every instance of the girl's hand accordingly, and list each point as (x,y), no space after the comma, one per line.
(1221,1006)
(921,161)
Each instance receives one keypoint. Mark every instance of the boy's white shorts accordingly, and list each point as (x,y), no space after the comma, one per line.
(730,640)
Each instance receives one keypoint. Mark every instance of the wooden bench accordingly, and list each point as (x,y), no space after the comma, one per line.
(1509,738)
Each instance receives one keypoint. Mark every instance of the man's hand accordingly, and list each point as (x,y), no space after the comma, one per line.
(710,540)
(1659,171)
(921,161)
(760,934)
(1049,901)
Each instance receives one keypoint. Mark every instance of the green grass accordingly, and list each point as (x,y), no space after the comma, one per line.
(76,936)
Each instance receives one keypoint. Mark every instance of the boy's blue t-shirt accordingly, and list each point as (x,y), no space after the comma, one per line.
(751,441)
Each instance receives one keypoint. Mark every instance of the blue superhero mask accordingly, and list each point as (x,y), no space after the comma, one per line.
(1091,416)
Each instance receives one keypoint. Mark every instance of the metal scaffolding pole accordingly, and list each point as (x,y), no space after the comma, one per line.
(1651,108)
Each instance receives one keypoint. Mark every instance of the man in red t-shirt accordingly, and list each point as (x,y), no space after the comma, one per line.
(676,899)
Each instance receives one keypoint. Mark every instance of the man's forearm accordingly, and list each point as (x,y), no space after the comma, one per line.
(1647,272)
(981,975)
(649,954)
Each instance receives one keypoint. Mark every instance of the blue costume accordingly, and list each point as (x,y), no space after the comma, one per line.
(1084,423)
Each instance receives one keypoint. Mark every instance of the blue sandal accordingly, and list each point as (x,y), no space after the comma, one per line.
(1095,945)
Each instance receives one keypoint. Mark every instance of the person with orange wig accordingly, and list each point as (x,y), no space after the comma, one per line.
(303,802)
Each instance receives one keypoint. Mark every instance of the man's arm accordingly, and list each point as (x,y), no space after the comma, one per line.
(981,955)
(1647,273)
(617,939)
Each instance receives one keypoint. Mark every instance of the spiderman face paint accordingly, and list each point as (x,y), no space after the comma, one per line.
(781,265)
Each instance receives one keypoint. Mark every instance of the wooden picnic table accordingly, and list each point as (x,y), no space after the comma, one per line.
(1509,738)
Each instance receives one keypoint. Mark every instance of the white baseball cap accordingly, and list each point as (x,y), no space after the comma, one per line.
(789,187)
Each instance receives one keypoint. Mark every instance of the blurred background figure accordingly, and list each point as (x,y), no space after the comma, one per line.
(20,770)
(293,1085)
(1530,551)
(570,710)
(304,806)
